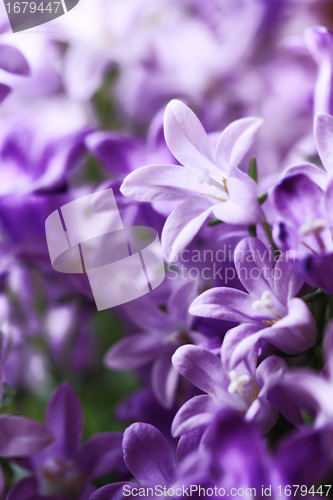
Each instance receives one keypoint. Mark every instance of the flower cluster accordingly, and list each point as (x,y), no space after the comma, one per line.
(212,122)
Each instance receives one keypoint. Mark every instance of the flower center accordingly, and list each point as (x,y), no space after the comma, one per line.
(206,178)
(266,303)
(312,226)
(237,382)
(61,477)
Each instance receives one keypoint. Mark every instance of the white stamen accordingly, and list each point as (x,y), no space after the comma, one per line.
(264,303)
(205,177)
(312,226)
(237,382)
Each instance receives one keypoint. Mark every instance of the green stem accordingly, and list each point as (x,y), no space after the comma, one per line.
(318,294)
(214,222)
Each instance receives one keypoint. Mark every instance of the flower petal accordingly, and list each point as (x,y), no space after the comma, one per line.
(183,224)
(101,454)
(186,137)
(197,412)
(235,141)
(21,436)
(203,369)
(323,135)
(133,351)
(159,183)
(64,418)
(147,455)
(224,303)
(164,379)
(13,61)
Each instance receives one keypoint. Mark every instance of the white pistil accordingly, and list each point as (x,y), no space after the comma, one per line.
(237,383)
(265,303)
(312,226)
(208,179)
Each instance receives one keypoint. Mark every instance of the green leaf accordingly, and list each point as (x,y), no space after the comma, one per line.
(253,171)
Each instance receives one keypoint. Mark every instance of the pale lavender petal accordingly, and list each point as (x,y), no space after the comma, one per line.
(263,414)
(309,383)
(242,206)
(83,71)
(197,412)
(203,369)
(288,281)
(186,137)
(297,197)
(13,61)
(159,183)
(144,313)
(183,224)
(147,455)
(22,437)
(179,302)
(133,351)
(318,270)
(224,303)
(189,442)
(116,151)
(323,135)
(64,418)
(319,41)
(235,141)
(164,379)
(4,91)
(240,343)
(294,333)
(316,174)
(101,454)
(328,199)
(269,373)
(254,265)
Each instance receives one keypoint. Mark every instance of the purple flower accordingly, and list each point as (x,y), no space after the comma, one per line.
(148,457)
(65,468)
(319,41)
(21,437)
(309,390)
(303,225)
(243,389)
(161,334)
(232,454)
(268,311)
(209,182)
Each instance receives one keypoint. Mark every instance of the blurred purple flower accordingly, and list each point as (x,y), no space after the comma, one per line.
(64,469)
(162,333)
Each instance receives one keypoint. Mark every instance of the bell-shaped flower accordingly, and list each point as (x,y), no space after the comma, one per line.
(268,310)
(208,181)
